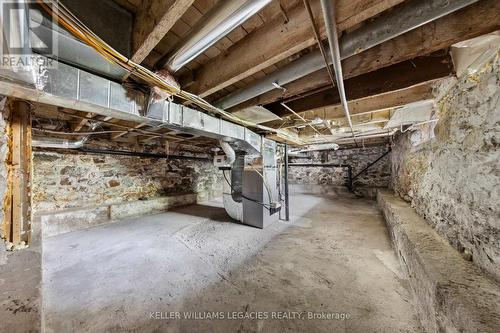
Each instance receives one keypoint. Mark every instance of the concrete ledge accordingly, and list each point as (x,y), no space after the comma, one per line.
(452,294)
(62,221)
(318,189)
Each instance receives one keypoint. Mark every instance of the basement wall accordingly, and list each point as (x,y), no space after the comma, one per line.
(93,189)
(453,181)
(4,150)
(20,270)
(377,176)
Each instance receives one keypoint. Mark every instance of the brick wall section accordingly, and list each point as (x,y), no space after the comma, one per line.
(377,176)
(67,179)
(453,181)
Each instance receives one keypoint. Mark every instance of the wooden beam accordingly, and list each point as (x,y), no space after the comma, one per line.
(118,135)
(82,122)
(275,41)
(21,173)
(395,77)
(127,5)
(153,21)
(472,21)
(368,104)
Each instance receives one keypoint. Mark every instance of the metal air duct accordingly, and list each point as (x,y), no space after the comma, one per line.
(220,21)
(404,18)
(57,143)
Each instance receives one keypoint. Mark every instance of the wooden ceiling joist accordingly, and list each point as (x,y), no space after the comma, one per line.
(368,104)
(275,41)
(82,122)
(118,135)
(395,77)
(154,20)
(472,21)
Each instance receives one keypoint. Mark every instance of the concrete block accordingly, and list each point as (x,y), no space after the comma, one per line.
(452,294)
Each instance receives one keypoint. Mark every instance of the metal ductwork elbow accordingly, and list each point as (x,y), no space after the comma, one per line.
(229,151)
(237,164)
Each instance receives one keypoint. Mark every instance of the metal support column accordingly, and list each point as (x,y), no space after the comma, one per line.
(287,198)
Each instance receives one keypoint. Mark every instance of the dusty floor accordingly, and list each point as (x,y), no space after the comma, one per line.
(335,257)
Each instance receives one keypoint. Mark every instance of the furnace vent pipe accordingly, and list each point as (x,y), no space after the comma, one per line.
(220,21)
(237,164)
(229,151)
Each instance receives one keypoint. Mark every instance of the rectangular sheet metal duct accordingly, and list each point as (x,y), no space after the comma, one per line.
(72,88)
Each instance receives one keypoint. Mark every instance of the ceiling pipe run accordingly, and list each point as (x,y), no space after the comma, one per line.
(57,143)
(223,19)
(328,9)
(410,15)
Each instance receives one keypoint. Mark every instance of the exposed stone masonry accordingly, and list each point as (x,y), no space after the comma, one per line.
(377,176)
(453,181)
(4,148)
(72,179)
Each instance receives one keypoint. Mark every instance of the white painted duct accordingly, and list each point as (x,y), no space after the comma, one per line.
(223,19)
(229,151)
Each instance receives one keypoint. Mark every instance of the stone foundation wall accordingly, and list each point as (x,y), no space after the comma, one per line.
(453,181)
(377,176)
(4,150)
(65,180)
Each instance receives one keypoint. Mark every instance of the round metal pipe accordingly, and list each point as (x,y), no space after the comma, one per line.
(220,22)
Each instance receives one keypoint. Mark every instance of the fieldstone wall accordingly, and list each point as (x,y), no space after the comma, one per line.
(4,150)
(377,176)
(453,181)
(68,180)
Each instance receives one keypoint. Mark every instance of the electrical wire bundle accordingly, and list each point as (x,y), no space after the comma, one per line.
(69,21)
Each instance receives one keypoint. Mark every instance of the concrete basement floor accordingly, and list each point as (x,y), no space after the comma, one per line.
(334,257)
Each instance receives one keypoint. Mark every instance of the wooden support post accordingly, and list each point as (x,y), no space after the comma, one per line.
(20,162)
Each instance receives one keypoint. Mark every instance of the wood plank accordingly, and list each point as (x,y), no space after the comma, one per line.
(204,6)
(128,5)
(16,167)
(21,172)
(472,21)
(118,135)
(82,122)
(276,41)
(154,20)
